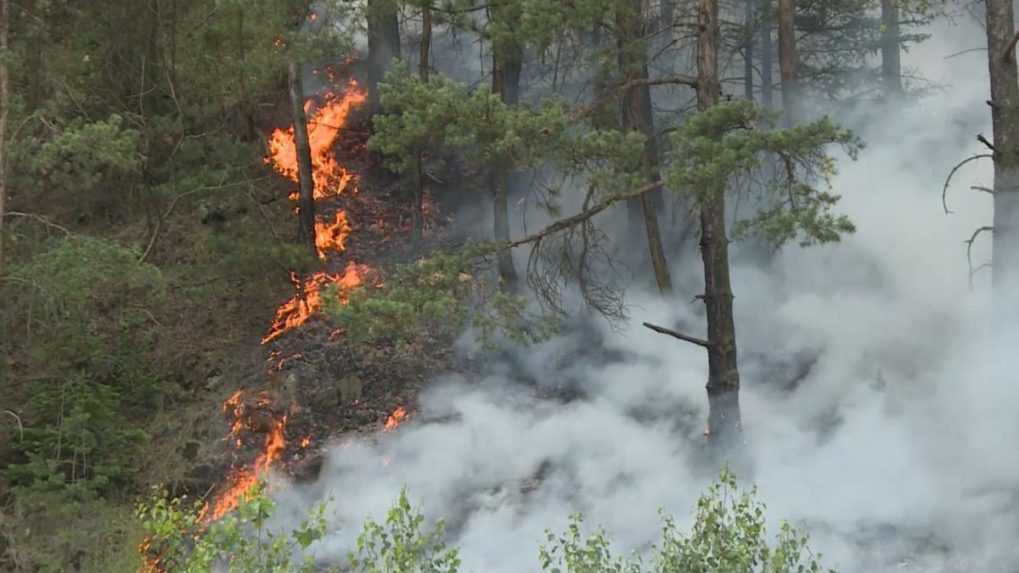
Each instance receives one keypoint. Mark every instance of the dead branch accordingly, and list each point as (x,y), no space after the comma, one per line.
(982,139)
(680,336)
(21,428)
(40,219)
(574,220)
(951,174)
(969,250)
(984,189)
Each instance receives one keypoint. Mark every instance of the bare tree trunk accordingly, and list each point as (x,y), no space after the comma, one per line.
(637,115)
(891,62)
(507,63)
(787,60)
(306,201)
(1005,116)
(5,22)
(767,53)
(724,421)
(750,13)
(383,43)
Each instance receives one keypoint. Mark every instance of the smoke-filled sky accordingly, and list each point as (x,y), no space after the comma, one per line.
(896,450)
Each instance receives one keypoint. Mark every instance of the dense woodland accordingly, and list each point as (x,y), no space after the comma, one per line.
(232,231)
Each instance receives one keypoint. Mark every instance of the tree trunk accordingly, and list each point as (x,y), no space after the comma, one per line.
(500,203)
(507,65)
(750,13)
(1005,116)
(306,200)
(5,22)
(383,44)
(724,423)
(891,63)
(417,222)
(767,54)
(787,60)
(637,115)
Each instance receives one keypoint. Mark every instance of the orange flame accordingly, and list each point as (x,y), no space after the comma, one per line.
(398,417)
(299,309)
(332,236)
(245,479)
(323,129)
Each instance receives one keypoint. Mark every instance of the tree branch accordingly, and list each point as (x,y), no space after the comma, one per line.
(948,181)
(969,250)
(574,220)
(982,139)
(40,219)
(1010,49)
(680,336)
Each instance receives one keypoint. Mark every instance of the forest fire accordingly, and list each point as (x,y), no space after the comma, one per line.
(324,127)
(332,236)
(398,417)
(308,299)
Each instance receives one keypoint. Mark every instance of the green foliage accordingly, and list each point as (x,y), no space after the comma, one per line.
(401,545)
(95,164)
(445,117)
(435,297)
(728,536)
(178,538)
(727,140)
(83,305)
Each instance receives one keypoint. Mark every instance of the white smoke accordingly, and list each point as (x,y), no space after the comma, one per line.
(897,448)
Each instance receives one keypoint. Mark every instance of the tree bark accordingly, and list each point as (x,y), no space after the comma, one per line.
(383,44)
(787,60)
(5,22)
(501,230)
(724,420)
(891,62)
(507,63)
(1005,119)
(637,115)
(306,200)
(750,13)
(767,54)
(417,209)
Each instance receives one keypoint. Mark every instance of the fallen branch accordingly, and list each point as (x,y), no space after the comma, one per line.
(680,336)
(40,219)
(21,428)
(951,174)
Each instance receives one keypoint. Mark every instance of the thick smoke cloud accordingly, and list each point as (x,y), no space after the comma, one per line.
(877,408)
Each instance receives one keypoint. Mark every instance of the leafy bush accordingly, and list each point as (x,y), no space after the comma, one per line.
(728,536)
(179,540)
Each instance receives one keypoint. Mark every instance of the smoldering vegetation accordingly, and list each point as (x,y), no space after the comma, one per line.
(878,407)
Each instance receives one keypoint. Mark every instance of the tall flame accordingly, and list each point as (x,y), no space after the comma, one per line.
(324,127)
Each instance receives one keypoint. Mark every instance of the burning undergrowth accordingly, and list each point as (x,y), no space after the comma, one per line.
(315,383)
